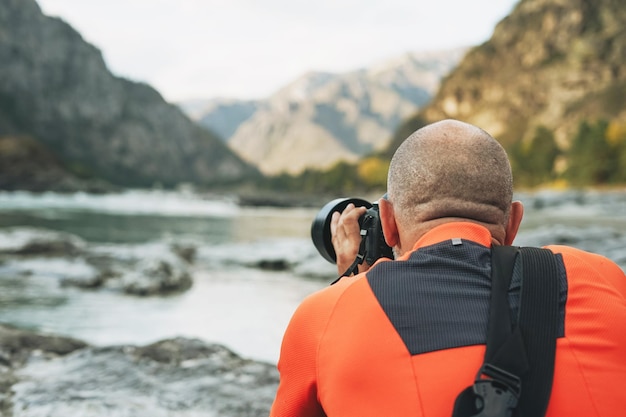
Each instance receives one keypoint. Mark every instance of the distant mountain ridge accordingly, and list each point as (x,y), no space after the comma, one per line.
(323,118)
(221,116)
(55,89)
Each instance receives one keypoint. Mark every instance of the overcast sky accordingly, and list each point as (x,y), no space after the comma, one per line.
(190,49)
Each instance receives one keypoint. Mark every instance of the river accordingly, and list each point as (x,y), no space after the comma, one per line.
(234,300)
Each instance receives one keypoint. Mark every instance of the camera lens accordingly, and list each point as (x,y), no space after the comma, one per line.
(320,229)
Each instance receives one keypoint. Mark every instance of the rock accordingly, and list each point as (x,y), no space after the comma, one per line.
(145,269)
(186,252)
(17,344)
(156,276)
(150,269)
(183,377)
(87,281)
(68,271)
(29,241)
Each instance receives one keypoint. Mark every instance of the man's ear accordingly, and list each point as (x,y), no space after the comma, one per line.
(388,222)
(515,219)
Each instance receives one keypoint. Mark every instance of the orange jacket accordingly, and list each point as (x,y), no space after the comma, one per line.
(402,341)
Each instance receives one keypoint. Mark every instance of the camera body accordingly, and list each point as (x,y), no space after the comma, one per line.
(373,245)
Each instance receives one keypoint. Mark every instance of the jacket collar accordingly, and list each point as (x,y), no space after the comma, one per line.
(454,230)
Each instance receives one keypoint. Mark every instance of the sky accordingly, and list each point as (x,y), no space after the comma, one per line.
(248,49)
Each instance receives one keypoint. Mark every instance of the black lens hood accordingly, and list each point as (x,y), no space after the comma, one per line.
(320,228)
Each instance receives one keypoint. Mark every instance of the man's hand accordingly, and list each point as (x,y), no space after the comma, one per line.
(346,236)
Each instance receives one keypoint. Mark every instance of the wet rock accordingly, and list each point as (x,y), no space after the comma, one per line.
(91,281)
(181,377)
(186,252)
(148,269)
(17,344)
(143,270)
(67,271)
(16,347)
(29,241)
(273,264)
(155,276)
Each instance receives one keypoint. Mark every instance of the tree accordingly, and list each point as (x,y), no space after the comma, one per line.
(372,172)
(533,161)
(616,138)
(591,159)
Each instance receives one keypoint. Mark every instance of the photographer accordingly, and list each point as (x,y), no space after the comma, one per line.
(404,337)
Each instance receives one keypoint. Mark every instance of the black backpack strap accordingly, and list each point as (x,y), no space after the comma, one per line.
(519,356)
(538,321)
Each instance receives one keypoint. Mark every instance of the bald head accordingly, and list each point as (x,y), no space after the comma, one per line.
(450,169)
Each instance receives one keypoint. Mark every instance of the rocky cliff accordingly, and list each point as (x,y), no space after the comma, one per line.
(550,63)
(322,118)
(56,89)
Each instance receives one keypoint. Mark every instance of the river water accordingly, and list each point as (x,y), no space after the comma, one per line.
(233,301)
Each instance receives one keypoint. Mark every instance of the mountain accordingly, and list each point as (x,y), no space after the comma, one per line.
(56,90)
(322,118)
(221,116)
(549,64)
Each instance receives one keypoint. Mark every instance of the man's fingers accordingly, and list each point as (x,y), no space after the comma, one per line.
(334,222)
(346,235)
(345,224)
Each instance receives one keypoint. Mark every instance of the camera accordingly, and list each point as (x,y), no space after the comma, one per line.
(373,245)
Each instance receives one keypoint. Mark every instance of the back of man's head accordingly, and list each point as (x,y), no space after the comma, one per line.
(450,169)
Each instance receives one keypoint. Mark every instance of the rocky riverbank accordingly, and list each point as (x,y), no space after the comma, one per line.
(26,251)
(50,376)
